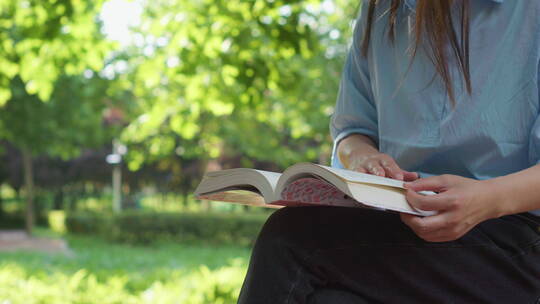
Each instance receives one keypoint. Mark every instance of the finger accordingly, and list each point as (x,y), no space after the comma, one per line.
(427,202)
(410,176)
(437,236)
(428,224)
(433,183)
(411,221)
(407,218)
(360,169)
(440,236)
(445,234)
(430,228)
(373,167)
(391,168)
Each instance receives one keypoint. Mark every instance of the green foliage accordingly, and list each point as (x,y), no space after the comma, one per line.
(144,228)
(249,81)
(238,229)
(218,77)
(45,45)
(11,221)
(16,220)
(44,39)
(203,79)
(87,223)
(69,121)
(200,286)
(100,272)
(57,221)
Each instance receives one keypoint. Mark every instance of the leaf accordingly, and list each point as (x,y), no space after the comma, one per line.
(5,95)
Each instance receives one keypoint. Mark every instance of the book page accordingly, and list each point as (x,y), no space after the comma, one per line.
(314,191)
(258,181)
(371,190)
(357,177)
(384,197)
(272,177)
(236,196)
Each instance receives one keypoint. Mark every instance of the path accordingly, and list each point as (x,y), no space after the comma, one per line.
(15,240)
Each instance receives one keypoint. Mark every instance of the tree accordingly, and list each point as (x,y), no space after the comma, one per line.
(42,40)
(257,78)
(69,121)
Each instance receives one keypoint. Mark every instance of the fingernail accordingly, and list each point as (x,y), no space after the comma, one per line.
(399,176)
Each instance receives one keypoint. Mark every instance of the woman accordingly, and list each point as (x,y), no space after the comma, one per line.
(449,90)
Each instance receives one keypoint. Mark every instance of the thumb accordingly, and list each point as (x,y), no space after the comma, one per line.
(432,183)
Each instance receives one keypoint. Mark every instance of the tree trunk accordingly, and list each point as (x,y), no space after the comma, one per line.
(73,199)
(185,199)
(59,200)
(29,190)
(117,188)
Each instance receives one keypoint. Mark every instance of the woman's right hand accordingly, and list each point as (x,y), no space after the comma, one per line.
(358,153)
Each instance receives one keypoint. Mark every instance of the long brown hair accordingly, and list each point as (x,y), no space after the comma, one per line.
(434,26)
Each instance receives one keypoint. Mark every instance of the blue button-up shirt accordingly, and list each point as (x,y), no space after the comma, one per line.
(493,132)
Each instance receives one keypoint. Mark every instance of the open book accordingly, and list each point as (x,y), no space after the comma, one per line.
(306,184)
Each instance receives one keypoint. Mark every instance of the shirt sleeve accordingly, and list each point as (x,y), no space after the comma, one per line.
(355,110)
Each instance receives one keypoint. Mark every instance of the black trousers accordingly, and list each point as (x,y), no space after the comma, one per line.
(345,255)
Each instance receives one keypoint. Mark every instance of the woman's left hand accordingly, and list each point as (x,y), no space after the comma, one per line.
(461,203)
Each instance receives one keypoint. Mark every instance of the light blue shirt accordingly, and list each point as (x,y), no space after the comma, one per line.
(494,132)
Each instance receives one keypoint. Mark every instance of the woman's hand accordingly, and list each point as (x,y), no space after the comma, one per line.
(461,203)
(358,152)
(379,164)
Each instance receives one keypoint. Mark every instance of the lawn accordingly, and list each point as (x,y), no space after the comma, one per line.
(101,272)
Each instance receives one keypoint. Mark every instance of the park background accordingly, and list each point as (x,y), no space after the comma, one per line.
(112,110)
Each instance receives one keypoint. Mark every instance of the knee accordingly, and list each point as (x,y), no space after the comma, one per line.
(285,226)
(279,222)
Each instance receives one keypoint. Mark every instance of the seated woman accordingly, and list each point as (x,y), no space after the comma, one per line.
(443,94)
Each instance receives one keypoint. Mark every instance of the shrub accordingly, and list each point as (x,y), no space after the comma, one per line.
(17,220)
(57,221)
(20,286)
(144,228)
(11,222)
(87,223)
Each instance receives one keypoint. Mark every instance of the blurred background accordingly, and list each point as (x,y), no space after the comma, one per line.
(111,112)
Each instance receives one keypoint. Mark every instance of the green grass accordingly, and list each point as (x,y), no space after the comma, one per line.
(102,272)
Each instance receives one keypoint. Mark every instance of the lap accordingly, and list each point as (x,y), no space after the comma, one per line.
(372,253)
(324,227)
